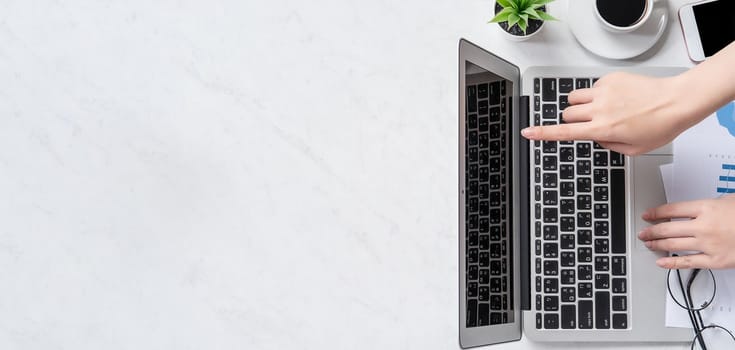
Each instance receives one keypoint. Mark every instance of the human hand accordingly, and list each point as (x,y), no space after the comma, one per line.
(710,230)
(627,113)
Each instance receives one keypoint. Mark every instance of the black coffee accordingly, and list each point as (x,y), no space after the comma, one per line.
(622,13)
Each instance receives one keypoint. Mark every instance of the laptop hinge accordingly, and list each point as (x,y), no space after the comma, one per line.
(525,219)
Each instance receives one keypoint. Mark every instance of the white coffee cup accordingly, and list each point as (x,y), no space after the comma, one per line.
(620,27)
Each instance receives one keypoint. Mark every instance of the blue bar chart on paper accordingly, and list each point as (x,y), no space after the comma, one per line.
(727,180)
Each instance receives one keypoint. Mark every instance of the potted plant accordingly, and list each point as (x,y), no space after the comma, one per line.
(521,19)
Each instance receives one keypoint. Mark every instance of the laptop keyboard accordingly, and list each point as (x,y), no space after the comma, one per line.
(488,245)
(578,213)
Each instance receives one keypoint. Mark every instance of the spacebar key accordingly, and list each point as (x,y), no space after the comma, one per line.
(617,211)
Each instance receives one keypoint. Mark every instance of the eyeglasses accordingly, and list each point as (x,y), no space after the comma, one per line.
(694,290)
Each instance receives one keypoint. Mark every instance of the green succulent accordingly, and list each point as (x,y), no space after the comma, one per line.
(519,12)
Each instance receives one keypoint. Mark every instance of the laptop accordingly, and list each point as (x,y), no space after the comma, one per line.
(548,230)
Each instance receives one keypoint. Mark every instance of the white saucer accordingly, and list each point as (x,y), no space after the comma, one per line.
(588,30)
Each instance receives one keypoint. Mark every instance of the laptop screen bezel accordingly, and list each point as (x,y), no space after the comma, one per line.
(483,335)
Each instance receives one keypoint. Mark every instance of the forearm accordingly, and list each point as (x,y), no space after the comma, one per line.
(708,86)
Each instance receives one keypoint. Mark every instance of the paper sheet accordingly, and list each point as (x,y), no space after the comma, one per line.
(704,167)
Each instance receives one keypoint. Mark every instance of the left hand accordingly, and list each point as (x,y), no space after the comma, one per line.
(710,230)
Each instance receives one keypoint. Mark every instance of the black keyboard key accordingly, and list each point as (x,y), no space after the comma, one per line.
(563,103)
(536,104)
(536,86)
(482,91)
(551,197)
(494,114)
(620,321)
(567,241)
(618,266)
(584,202)
(566,171)
(483,124)
(584,167)
(566,224)
(537,174)
(550,180)
(551,303)
(485,259)
(483,141)
(551,233)
(583,149)
(601,211)
(584,255)
(548,89)
(602,281)
(601,229)
(567,259)
(471,98)
(472,238)
(602,310)
(617,212)
(551,250)
(550,163)
(602,263)
(566,85)
(600,176)
(472,290)
(567,277)
(484,242)
(584,236)
(549,146)
(539,305)
(585,315)
(548,111)
(619,285)
(584,272)
(583,83)
(600,158)
(601,194)
(551,321)
(568,294)
(551,285)
(584,290)
(471,313)
(551,215)
(484,276)
(566,189)
(539,323)
(568,317)
(484,225)
(566,154)
(596,145)
(472,273)
(584,219)
(616,159)
(584,185)
(472,121)
(482,108)
(602,246)
(494,93)
(483,316)
(483,294)
(551,268)
(619,303)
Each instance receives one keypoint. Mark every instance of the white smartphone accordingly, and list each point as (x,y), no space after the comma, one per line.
(708,27)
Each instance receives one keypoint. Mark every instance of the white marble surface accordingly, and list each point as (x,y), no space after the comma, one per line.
(240,174)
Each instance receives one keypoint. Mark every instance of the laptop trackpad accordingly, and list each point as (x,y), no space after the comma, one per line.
(647,189)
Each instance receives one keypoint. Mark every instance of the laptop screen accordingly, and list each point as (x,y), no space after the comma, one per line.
(488,216)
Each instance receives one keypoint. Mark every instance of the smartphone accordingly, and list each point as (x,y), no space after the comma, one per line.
(708,27)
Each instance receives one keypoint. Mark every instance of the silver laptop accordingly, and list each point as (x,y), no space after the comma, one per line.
(548,230)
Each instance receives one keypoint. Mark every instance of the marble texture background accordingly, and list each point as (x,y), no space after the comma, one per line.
(241,174)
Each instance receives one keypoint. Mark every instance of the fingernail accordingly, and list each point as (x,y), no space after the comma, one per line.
(646,215)
(648,244)
(661,262)
(528,132)
(640,235)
